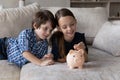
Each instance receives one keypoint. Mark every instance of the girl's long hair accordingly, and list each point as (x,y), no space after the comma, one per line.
(58,38)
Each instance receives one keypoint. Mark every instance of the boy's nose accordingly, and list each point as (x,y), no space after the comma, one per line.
(48,33)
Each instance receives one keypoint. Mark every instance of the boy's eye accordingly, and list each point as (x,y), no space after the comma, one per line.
(50,31)
(45,28)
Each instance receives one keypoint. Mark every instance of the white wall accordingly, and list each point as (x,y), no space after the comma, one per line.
(115,0)
(9,3)
(52,3)
(43,3)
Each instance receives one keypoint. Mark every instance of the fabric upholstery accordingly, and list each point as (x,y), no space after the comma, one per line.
(101,66)
(13,20)
(9,71)
(108,38)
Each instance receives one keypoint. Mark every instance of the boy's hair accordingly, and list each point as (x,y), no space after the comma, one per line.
(62,13)
(42,17)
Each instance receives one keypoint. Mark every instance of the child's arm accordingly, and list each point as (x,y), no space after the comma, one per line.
(48,56)
(81,46)
(35,60)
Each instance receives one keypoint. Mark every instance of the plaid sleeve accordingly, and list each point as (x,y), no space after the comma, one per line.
(23,41)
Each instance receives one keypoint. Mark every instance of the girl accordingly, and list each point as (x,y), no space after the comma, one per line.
(66,37)
(31,44)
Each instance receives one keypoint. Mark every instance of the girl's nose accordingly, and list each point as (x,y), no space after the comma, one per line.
(69,28)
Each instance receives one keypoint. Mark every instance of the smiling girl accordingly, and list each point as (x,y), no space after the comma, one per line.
(66,37)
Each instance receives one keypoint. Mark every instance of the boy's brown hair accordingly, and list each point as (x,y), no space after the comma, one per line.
(42,17)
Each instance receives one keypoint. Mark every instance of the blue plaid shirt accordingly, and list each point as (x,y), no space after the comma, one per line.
(26,41)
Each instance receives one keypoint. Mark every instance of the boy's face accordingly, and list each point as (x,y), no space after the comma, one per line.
(44,30)
(67,25)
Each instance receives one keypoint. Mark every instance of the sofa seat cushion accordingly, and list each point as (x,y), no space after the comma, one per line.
(9,71)
(101,66)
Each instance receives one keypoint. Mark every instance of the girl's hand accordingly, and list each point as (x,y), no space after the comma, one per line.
(62,60)
(79,46)
(75,46)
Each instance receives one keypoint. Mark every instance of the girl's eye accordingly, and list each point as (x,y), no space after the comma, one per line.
(64,27)
(72,24)
(81,56)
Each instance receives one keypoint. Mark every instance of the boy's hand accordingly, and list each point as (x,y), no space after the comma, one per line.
(47,62)
(48,56)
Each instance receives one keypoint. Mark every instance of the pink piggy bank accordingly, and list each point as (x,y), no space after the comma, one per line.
(75,59)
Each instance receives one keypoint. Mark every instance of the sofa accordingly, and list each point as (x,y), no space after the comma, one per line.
(102,38)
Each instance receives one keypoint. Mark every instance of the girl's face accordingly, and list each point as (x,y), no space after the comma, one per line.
(44,30)
(67,25)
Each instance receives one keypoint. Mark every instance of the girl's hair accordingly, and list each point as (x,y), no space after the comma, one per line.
(42,17)
(62,13)
(58,36)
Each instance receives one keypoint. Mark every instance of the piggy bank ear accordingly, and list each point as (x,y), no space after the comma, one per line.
(81,51)
(71,51)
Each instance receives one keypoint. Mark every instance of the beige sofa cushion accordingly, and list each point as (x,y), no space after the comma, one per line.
(101,66)
(13,20)
(9,71)
(108,38)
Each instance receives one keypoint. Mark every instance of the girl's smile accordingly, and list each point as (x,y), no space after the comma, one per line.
(67,25)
